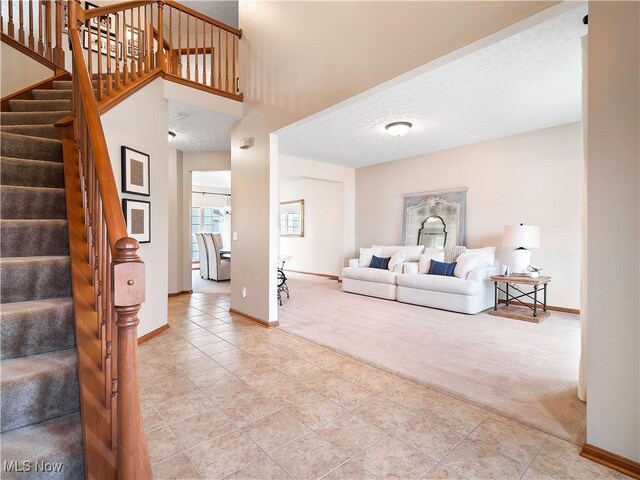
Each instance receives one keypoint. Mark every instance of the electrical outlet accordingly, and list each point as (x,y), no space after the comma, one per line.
(244,292)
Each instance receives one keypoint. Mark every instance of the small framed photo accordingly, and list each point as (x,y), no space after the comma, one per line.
(135,42)
(135,172)
(137,215)
(65,17)
(105,23)
(113,47)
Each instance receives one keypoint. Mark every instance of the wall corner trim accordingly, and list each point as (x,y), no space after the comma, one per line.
(611,460)
(153,333)
(254,319)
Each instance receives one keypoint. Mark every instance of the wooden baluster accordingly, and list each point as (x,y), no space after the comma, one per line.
(59,51)
(141,45)
(31,40)
(21,21)
(219,59)
(148,30)
(100,80)
(128,288)
(10,26)
(212,60)
(179,59)
(108,77)
(87,32)
(204,53)
(160,53)
(188,51)
(233,62)
(226,59)
(40,49)
(133,50)
(47,31)
(1,17)
(196,54)
(170,59)
(117,78)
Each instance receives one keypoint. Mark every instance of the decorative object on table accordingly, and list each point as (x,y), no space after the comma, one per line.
(435,218)
(505,269)
(108,46)
(135,172)
(528,312)
(534,271)
(522,237)
(137,215)
(292,218)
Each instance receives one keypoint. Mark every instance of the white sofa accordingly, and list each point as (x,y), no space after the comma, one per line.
(471,294)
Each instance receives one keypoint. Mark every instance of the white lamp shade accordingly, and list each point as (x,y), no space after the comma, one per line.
(526,236)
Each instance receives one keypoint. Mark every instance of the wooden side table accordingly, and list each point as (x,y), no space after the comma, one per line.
(513,283)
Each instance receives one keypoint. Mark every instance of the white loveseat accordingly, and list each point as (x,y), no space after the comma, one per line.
(470,292)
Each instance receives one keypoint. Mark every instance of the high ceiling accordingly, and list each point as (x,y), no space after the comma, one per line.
(526,82)
(202,130)
(221,10)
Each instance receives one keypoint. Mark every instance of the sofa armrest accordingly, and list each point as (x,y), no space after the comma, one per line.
(410,267)
(354,262)
(482,273)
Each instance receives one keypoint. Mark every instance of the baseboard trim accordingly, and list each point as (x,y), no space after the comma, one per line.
(611,460)
(183,292)
(549,307)
(254,319)
(152,333)
(325,275)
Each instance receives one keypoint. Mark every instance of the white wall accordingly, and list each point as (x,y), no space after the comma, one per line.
(613,238)
(292,168)
(283,82)
(535,178)
(141,123)
(18,71)
(321,250)
(175,221)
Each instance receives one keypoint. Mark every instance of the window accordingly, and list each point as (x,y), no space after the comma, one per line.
(292,218)
(205,220)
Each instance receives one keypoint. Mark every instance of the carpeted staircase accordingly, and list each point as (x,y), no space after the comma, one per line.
(40,403)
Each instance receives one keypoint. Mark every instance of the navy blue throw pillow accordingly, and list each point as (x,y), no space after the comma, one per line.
(382,263)
(441,268)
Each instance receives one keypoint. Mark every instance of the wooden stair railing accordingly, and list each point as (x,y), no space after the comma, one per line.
(147,36)
(108,283)
(40,24)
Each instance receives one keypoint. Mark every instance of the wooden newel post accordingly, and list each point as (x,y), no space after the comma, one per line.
(160,52)
(128,293)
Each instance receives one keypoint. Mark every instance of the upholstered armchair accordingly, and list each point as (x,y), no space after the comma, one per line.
(203,255)
(219,268)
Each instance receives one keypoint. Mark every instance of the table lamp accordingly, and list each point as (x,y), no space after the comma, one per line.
(522,237)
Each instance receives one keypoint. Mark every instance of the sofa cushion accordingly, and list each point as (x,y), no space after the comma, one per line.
(439,283)
(378,262)
(370,275)
(397,258)
(366,254)
(467,262)
(424,260)
(441,268)
(412,251)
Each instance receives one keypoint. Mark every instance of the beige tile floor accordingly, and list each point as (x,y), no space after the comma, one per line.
(224,397)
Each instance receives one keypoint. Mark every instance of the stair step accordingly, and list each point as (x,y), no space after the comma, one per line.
(31,118)
(29,238)
(37,388)
(32,203)
(31,173)
(36,326)
(56,441)
(66,84)
(44,131)
(34,278)
(40,105)
(23,146)
(51,94)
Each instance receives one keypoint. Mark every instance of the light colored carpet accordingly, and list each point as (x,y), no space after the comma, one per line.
(521,370)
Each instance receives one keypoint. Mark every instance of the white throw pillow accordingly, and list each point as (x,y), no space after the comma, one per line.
(366,254)
(412,251)
(488,255)
(397,258)
(424,260)
(467,262)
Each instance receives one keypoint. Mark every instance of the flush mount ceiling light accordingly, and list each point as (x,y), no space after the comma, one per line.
(183,116)
(397,129)
(171,135)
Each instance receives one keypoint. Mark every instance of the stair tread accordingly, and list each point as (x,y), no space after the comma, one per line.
(42,258)
(42,131)
(51,162)
(14,369)
(56,440)
(32,118)
(33,305)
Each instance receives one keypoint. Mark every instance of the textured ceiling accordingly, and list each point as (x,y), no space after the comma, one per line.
(203,131)
(223,11)
(213,179)
(526,82)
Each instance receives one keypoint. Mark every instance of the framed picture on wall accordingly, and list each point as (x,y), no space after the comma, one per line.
(137,215)
(112,47)
(135,172)
(105,23)
(135,42)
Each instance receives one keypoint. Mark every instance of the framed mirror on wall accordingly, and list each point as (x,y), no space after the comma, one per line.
(292,218)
